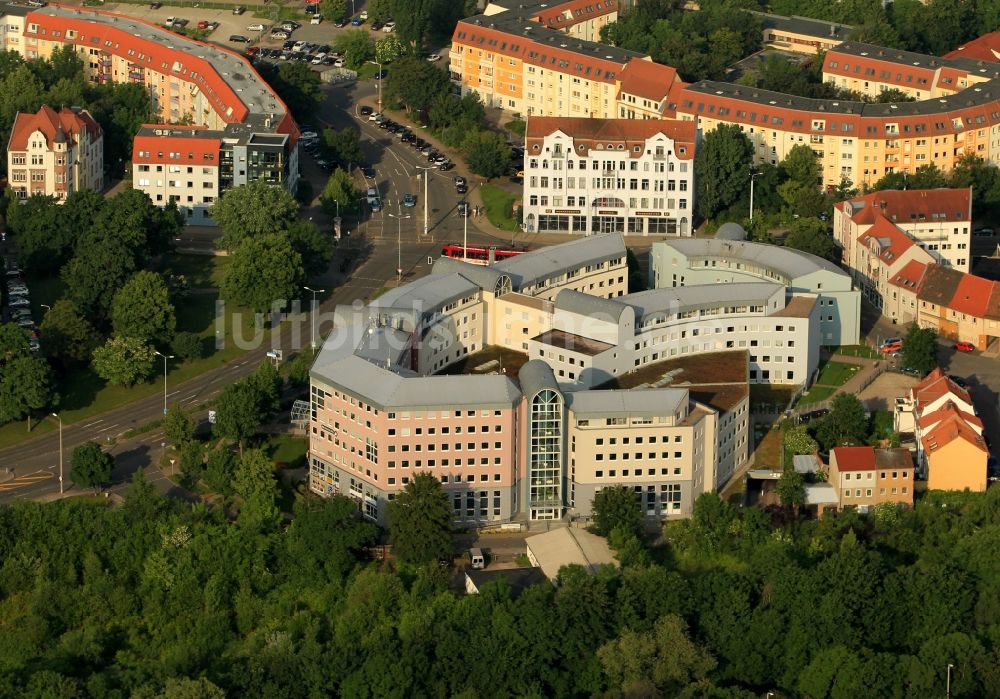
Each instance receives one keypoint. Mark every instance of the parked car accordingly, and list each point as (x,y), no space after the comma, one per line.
(316,19)
(892,348)
(461,189)
(258,27)
(239,39)
(463,208)
(239,9)
(309,135)
(340,23)
(357,22)
(25,322)
(958,381)
(364,14)
(203,24)
(813,415)
(366,110)
(409,200)
(180,22)
(253,51)
(19,302)
(376,25)
(434,57)
(155,5)
(446,165)
(389,27)
(892,341)
(964,347)
(458,180)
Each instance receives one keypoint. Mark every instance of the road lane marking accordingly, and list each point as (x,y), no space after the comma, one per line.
(91,424)
(22,481)
(173,394)
(105,429)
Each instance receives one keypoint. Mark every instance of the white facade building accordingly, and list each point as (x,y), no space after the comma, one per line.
(585,176)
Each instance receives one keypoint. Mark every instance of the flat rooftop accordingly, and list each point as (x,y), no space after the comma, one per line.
(574,343)
(492,359)
(532,302)
(722,397)
(797,307)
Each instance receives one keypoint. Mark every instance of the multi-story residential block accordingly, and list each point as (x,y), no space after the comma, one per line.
(675,263)
(947,431)
(609,175)
(938,220)
(518,442)
(802,34)
(55,153)
(864,476)
(186,80)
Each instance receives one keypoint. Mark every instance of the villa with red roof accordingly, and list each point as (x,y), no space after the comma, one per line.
(865,476)
(947,432)
(55,153)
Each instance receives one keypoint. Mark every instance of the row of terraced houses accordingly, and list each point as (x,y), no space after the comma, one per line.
(242,130)
(540,60)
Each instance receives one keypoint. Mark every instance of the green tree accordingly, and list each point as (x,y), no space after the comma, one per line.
(238,413)
(252,210)
(344,146)
(420,521)
(791,488)
(91,467)
(333,10)
(26,385)
(298,85)
(264,270)
(487,153)
(178,425)
(416,84)
(798,441)
(809,235)
(124,361)
(846,422)
(920,349)
(356,46)
(65,335)
(339,195)
(616,507)
(220,469)
(315,249)
(93,276)
(43,242)
(254,482)
(141,309)
(389,48)
(722,168)
(188,346)
(659,662)
(266,383)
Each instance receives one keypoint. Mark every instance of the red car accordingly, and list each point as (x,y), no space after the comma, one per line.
(965,347)
(203,24)
(894,347)
(253,50)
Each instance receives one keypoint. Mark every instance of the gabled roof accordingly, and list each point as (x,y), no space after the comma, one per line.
(51,123)
(984,48)
(972,296)
(647,79)
(893,458)
(946,410)
(904,206)
(935,385)
(623,135)
(855,458)
(950,429)
(939,285)
(892,242)
(910,277)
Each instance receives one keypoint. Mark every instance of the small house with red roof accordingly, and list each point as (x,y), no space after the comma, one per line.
(866,476)
(55,153)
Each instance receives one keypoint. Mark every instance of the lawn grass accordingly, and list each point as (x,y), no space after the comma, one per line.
(816,394)
(287,449)
(200,271)
(836,373)
(498,203)
(769,452)
(856,351)
(83,394)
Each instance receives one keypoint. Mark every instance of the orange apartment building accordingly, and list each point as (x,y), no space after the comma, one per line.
(864,476)
(55,153)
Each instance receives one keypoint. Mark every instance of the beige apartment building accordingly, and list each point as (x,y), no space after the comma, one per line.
(55,153)
(864,476)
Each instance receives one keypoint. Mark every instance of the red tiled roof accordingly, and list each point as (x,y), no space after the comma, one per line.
(191,150)
(892,242)
(47,120)
(902,206)
(972,296)
(627,132)
(855,458)
(649,80)
(910,277)
(937,384)
(946,410)
(939,285)
(950,429)
(985,48)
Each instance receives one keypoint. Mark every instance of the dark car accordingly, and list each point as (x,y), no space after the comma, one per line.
(288,45)
(366,110)
(446,165)
(461,188)
(368,171)
(239,38)
(155,5)
(340,23)
(381,74)
(376,26)
(958,381)
(463,208)
(813,415)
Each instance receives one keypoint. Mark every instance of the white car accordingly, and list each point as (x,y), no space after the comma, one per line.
(298,46)
(389,27)
(339,63)
(169,21)
(364,14)
(434,57)
(318,59)
(309,136)
(255,28)
(316,19)
(19,302)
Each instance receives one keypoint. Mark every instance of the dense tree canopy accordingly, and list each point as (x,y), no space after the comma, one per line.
(142,309)
(722,168)
(124,361)
(920,349)
(420,521)
(253,209)
(265,270)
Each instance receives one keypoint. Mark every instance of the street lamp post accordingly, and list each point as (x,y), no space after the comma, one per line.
(399,243)
(46,306)
(427,179)
(60,453)
(165,358)
(465,234)
(378,87)
(948,681)
(753,174)
(312,312)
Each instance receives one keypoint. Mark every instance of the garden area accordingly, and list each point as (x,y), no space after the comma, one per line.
(499,205)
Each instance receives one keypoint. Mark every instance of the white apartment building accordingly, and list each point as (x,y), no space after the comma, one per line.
(628,176)
(55,153)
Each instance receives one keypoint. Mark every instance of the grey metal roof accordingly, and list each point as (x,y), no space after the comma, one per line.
(536,375)
(583,304)
(485,277)
(820,494)
(395,390)
(805,463)
(649,402)
(552,261)
(426,294)
(804,25)
(731,231)
(676,299)
(786,261)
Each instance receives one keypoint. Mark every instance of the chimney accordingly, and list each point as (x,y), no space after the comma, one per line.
(833,30)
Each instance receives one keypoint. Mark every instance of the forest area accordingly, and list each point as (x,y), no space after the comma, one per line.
(156,598)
